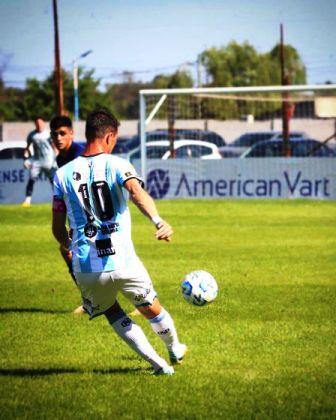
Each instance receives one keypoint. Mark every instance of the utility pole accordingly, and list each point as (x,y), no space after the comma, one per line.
(75,82)
(58,75)
(285,97)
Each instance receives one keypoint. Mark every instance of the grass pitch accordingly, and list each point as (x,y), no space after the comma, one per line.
(264,349)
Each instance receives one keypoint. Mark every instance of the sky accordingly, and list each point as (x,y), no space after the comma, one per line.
(149,37)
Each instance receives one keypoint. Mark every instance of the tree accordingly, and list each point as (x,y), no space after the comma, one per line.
(294,66)
(38,97)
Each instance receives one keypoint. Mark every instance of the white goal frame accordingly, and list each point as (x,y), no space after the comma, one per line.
(162,95)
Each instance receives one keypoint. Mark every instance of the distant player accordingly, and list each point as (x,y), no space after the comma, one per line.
(91,190)
(43,159)
(62,135)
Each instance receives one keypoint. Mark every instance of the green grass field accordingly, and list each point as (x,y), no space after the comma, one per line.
(264,349)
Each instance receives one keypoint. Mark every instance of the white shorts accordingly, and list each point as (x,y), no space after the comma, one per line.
(99,290)
(38,168)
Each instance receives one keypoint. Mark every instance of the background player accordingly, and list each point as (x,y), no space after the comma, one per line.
(62,135)
(43,159)
(90,189)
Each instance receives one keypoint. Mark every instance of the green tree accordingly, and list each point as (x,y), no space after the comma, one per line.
(38,97)
(294,66)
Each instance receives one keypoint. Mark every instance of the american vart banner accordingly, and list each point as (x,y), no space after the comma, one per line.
(307,178)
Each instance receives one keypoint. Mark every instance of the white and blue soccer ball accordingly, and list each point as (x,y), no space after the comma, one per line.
(199,288)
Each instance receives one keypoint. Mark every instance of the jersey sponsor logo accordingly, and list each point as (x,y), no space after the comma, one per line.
(76,176)
(90,230)
(104,247)
(158,183)
(110,228)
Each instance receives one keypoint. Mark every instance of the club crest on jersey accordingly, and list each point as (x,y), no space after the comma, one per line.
(127,174)
(90,230)
(76,176)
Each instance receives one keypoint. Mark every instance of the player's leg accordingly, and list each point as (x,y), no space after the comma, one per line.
(163,325)
(33,175)
(132,334)
(99,292)
(140,291)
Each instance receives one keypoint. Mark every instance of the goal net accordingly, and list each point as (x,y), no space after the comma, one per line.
(208,142)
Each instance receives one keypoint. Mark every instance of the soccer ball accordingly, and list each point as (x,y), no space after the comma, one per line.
(199,288)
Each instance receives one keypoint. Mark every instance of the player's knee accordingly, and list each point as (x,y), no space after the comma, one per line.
(151,310)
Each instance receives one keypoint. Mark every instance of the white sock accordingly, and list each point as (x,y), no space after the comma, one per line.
(163,326)
(133,335)
(28,199)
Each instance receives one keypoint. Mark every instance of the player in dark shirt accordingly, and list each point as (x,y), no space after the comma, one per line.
(62,136)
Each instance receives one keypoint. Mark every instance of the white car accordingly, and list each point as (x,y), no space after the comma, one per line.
(183,149)
(12,149)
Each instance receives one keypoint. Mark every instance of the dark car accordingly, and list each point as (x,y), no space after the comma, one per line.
(298,147)
(247,140)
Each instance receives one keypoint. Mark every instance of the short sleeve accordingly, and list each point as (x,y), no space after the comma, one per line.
(126,171)
(29,139)
(57,188)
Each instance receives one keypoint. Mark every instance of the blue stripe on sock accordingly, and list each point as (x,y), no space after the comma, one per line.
(158,318)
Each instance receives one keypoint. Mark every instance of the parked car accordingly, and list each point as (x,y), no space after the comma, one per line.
(183,149)
(192,134)
(299,147)
(247,140)
(12,149)
(180,134)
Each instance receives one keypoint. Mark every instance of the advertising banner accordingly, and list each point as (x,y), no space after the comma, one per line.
(310,178)
(13,181)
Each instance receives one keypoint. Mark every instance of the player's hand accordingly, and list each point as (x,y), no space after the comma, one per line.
(66,254)
(27,163)
(164,231)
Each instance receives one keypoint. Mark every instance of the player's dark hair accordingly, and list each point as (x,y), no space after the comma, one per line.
(60,121)
(38,117)
(99,123)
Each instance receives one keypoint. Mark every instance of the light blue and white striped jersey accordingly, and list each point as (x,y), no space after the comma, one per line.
(92,189)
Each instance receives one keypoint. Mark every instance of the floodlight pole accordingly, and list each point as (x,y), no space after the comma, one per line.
(75,82)
(58,75)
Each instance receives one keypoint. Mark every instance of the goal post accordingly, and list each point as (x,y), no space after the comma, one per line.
(230,112)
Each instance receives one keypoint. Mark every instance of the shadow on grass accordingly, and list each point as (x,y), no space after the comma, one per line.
(33,310)
(22,372)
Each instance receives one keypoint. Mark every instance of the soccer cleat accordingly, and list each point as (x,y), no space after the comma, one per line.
(79,310)
(176,356)
(26,204)
(166,370)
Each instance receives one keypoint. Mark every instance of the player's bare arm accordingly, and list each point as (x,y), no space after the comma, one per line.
(59,229)
(146,205)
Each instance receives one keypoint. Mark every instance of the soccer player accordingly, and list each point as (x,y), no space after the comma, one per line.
(43,159)
(91,190)
(62,135)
